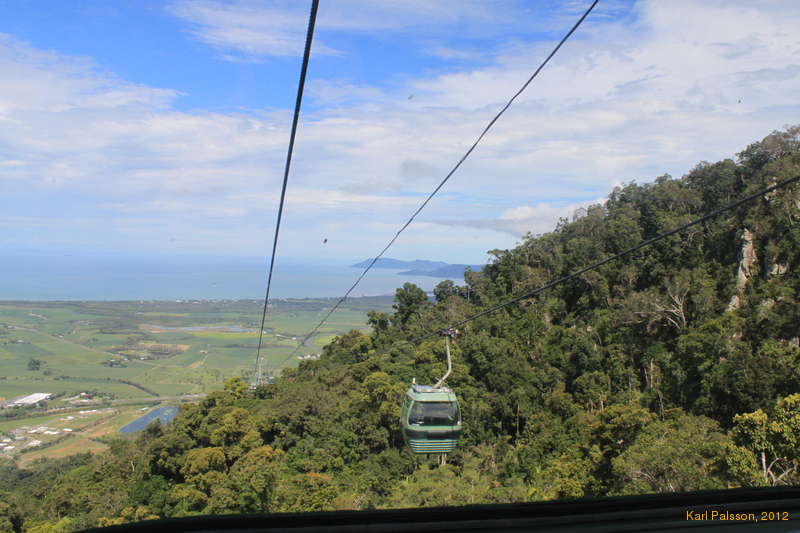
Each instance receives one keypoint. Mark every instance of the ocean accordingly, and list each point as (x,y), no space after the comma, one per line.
(38,276)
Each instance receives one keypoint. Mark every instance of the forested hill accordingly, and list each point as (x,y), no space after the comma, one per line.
(674,369)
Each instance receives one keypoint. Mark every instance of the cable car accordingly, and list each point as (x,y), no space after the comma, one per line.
(430,415)
(431,419)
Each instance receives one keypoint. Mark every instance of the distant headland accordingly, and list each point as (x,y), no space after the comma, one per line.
(420,267)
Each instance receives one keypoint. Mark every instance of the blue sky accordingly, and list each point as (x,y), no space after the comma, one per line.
(141,127)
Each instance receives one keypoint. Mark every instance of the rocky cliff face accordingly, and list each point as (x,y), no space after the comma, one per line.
(747,257)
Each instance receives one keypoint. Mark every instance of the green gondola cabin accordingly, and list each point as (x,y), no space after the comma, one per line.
(431,419)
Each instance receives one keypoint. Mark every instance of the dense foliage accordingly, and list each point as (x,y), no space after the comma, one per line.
(675,369)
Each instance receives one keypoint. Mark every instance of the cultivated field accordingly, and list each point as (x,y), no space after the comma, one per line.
(151,350)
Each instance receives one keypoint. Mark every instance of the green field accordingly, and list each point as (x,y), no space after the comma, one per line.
(124,350)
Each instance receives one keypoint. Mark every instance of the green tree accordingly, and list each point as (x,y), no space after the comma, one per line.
(592,390)
(237,387)
(63,525)
(771,441)
(253,477)
(682,453)
(444,290)
(128,515)
(409,302)
(237,433)
(306,492)
(9,520)
(445,485)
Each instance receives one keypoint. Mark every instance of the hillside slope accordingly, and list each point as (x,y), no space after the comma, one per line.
(673,370)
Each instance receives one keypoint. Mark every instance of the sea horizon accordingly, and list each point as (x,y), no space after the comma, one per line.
(36,277)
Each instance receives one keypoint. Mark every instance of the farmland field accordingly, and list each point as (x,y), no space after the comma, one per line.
(70,432)
(147,350)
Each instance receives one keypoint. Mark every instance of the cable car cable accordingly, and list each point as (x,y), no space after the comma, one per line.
(303,70)
(573,275)
(449,174)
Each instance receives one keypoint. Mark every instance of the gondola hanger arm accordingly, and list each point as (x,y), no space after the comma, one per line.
(448,333)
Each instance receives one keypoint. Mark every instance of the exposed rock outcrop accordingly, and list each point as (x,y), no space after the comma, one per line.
(747,258)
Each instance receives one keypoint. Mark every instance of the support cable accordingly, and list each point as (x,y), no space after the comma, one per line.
(447,177)
(303,70)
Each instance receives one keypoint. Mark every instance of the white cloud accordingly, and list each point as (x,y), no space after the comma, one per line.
(38,81)
(176,206)
(624,101)
(248,29)
(450,53)
(312,201)
(520,220)
(338,92)
(253,29)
